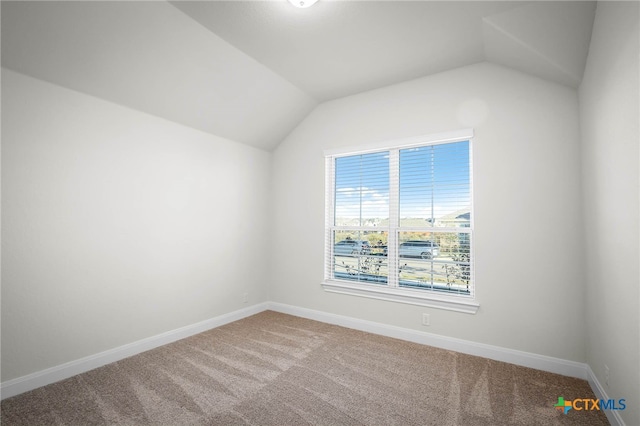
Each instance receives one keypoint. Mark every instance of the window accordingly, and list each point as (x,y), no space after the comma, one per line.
(399,222)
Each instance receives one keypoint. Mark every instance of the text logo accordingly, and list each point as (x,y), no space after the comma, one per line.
(589,404)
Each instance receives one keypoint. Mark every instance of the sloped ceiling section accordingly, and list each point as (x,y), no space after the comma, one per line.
(340,48)
(547,39)
(250,71)
(151,57)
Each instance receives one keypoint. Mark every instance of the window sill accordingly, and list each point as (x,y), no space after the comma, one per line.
(463,304)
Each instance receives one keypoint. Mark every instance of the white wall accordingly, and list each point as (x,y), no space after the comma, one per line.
(117,225)
(527,197)
(610,126)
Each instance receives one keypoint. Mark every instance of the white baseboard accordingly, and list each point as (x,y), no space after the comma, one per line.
(613,416)
(545,363)
(525,359)
(60,372)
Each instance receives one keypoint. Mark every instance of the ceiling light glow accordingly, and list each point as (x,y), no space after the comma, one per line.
(302,3)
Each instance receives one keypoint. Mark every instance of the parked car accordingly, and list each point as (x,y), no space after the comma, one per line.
(423,249)
(351,247)
(379,250)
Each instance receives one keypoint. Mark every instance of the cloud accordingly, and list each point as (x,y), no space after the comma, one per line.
(374,203)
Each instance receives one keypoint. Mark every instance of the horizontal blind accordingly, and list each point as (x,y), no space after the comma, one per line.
(359,233)
(362,190)
(435,185)
(435,217)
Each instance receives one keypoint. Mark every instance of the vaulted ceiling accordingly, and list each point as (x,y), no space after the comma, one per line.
(250,71)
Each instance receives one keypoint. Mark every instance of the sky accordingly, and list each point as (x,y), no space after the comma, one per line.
(434,181)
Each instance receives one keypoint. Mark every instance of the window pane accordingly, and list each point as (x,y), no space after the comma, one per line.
(362,190)
(435,185)
(360,256)
(435,260)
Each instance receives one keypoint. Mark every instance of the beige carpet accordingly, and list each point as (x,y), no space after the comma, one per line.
(276,369)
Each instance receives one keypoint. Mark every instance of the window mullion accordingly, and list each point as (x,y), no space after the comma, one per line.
(394,202)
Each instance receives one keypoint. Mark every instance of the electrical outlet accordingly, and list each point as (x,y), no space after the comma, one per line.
(426,320)
(245,298)
(606,375)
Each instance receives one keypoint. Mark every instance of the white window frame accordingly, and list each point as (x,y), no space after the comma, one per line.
(391,291)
